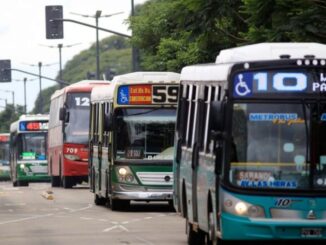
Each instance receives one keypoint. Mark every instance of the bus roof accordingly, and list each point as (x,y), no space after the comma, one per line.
(82,86)
(146,77)
(219,70)
(28,117)
(106,93)
(271,51)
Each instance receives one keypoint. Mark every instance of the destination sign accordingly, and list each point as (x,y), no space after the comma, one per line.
(33,126)
(145,94)
(258,83)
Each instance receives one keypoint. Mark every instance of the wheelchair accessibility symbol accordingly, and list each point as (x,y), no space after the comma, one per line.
(123,95)
(242,87)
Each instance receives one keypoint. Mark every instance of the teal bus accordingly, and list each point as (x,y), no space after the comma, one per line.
(4,156)
(131,138)
(250,158)
(28,150)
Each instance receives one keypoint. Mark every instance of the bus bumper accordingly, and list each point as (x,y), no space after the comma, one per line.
(165,195)
(270,229)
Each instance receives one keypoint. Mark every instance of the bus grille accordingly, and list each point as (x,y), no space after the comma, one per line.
(155,178)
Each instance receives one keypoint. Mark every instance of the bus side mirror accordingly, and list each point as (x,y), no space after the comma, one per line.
(108,122)
(217,116)
(63,115)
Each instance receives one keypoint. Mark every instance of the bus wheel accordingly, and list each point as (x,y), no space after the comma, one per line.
(193,237)
(15,184)
(99,201)
(119,204)
(55,181)
(211,235)
(67,182)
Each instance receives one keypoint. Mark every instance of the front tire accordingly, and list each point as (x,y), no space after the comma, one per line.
(99,201)
(193,237)
(55,181)
(67,182)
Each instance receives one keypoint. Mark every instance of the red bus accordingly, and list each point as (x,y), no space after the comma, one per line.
(68,134)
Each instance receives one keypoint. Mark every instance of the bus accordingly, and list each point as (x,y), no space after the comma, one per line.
(28,148)
(131,139)
(68,134)
(4,156)
(250,158)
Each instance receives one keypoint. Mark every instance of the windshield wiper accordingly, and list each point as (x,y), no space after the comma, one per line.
(144,112)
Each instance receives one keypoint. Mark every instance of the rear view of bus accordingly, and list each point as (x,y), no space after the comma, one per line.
(28,142)
(68,134)
(4,156)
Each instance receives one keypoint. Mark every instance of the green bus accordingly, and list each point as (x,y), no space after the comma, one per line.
(131,138)
(250,158)
(28,150)
(4,156)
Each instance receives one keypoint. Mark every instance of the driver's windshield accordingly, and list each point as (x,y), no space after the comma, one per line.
(76,130)
(32,146)
(145,133)
(270,149)
(4,152)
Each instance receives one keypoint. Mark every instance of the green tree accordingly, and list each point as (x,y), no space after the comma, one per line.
(9,115)
(175,33)
(285,21)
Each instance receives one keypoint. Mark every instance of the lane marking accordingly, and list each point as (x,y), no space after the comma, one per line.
(116,227)
(25,219)
(15,204)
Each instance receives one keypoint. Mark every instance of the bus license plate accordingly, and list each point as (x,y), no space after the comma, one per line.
(311,232)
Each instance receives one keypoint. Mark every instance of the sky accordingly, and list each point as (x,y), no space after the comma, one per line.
(23,40)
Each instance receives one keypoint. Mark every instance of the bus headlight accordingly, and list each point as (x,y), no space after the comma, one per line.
(125,175)
(22,166)
(236,206)
(122,171)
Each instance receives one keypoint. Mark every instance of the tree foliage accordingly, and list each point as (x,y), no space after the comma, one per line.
(285,21)
(175,33)
(9,115)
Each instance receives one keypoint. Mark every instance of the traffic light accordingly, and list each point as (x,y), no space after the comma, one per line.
(54,26)
(5,71)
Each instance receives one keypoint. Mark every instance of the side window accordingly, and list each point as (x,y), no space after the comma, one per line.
(213,94)
(204,118)
(100,123)
(96,123)
(191,114)
(91,123)
(183,112)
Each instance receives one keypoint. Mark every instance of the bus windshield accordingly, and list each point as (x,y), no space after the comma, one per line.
(32,146)
(278,146)
(4,152)
(76,130)
(145,133)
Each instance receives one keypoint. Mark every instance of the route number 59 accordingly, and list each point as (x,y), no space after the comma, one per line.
(165,94)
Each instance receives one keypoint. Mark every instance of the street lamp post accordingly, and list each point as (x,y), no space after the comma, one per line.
(24,80)
(60,46)
(40,81)
(97,16)
(12,94)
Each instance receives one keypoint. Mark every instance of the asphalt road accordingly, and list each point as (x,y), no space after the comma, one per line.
(29,216)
